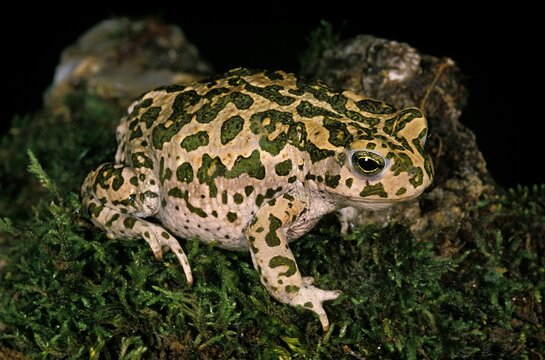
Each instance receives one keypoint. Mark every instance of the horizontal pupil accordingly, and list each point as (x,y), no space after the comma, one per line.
(367,164)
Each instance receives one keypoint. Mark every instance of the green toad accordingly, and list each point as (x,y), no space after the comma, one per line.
(251,160)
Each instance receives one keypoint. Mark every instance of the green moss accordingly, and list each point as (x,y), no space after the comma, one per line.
(68,291)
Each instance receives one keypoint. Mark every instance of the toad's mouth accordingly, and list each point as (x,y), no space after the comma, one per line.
(375,199)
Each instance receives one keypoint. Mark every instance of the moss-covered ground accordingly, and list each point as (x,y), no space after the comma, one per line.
(66,291)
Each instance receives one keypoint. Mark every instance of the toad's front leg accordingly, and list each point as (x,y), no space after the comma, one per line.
(275,262)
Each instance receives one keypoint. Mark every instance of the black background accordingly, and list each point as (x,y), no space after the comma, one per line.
(497,48)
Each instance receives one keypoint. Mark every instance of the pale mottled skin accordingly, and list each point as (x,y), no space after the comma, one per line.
(251,161)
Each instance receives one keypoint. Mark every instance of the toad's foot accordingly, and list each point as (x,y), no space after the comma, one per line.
(312,298)
(160,241)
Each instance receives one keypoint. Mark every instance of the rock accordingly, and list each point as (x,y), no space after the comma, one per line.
(398,73)
(119,59)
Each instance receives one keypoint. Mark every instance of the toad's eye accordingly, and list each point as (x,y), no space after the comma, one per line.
(367,163)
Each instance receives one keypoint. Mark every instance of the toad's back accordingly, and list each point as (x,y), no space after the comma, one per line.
(221,148)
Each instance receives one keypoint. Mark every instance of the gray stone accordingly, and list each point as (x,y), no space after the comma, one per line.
(119,59)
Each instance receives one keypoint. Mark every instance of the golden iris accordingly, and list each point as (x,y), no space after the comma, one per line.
(367,163)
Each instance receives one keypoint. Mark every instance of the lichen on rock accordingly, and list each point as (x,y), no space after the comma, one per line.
(119,59)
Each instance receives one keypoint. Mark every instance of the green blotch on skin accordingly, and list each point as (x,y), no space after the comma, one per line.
(259,199)
(338,133)
(308,305)
(192,142)
(214,213)
(145,103)
(129,201)
(332,180)
(110,172)
(399,122)
(238,198)
(297,92)
(349,182)
(178,193)
(142,104)
(288,197)
(170,88)
(341,158)
(271,238)
(273,75)
(112,219)
(377,189)
(268,194)
(336,100)
(236,81)
(375,107)
(136,133)
(317,154)
(147,194)
(418,177)
(150,116)
(273,119)
(164,174)
(292,289)
(210,169)
(297,135)
(231,216)
(180,117)
(420,140)
(402,163)
(182,102)
(184,173)
(165,235)
(250,165)
(134,181)
(215,93)
(95,210)
(283,168)
(118,180)
(272,93)
(292,179)
(428,166)
(306,109)
(129,222)
(370,146)
(224,197)
(216,103)
(139,159)
(248,189)
(230,128)
(401,191)
(283,261)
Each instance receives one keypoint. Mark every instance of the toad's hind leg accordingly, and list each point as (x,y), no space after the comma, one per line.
(117,197)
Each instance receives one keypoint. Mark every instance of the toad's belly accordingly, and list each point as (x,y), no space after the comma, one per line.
(210,229)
